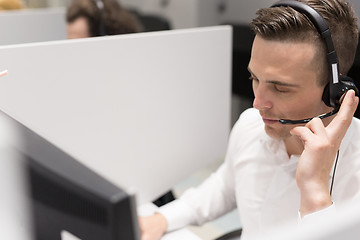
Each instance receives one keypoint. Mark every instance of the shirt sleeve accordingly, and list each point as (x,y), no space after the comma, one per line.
(177,214)
(211,199)
(318,214)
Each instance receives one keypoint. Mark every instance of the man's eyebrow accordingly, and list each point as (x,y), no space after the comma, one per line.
(280,83)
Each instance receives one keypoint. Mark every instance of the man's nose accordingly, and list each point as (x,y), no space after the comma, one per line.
(261,101)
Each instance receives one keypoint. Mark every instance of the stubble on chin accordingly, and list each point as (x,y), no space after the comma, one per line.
(277,133)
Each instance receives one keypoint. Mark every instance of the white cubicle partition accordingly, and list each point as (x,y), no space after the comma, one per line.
(32,25)
(144,110)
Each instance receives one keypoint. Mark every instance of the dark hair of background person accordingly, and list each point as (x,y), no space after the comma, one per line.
(115,18)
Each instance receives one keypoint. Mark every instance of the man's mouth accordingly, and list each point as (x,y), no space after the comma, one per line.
(269,120)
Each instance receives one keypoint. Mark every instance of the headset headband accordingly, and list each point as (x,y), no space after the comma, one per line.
(323,29)
(100,5)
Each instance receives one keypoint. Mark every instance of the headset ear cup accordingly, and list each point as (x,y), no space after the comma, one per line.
(326,95)
(347,84)
(344,85)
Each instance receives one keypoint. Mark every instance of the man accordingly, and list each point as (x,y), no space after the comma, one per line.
(91,18)
(275,173)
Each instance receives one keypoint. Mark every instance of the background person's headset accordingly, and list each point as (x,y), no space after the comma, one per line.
(338,84)
(100,5)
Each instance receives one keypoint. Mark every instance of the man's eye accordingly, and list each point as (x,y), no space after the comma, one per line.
(281,89)
(252,78)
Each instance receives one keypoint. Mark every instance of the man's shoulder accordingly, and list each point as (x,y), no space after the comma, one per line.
(250,115)
(351,140)
(355,125)
(249,121)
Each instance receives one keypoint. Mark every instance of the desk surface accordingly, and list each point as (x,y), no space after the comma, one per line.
(180,235)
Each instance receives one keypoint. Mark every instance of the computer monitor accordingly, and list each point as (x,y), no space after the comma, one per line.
(65,197)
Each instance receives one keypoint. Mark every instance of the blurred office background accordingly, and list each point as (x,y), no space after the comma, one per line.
(208,12)
(199,13)
(177,14)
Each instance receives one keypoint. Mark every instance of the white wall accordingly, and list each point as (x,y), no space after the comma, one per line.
(208,12)
(180,13)
(242,11)
(133,3)
(195,13)
(356,5)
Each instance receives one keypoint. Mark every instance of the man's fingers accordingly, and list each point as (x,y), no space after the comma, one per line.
(336,129)
(314,127)
(303,133)
(342,120)
(317,127)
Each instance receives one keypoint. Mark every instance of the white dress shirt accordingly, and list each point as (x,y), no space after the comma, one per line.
(258,178)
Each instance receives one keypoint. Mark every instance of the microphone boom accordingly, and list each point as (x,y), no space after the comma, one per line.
(325,115)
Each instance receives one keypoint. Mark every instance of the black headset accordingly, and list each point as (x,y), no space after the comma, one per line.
(100,5)
(338,84)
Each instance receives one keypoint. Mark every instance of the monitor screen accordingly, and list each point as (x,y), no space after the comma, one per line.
(65,197)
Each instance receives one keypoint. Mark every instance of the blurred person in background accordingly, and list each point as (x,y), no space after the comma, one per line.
(92,18)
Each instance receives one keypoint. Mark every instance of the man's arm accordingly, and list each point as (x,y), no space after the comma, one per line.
(211,199)
(320,148)
(214,197)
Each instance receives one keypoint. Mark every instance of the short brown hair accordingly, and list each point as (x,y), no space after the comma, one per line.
(116,19)
(287,24)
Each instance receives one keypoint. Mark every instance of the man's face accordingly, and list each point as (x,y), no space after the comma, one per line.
(79,28)
(285,84)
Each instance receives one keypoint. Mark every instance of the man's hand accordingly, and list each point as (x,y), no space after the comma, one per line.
(320,148)
(153,227)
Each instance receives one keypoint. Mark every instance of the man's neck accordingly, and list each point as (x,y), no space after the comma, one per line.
(293,145)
